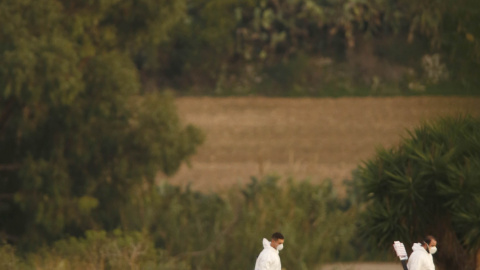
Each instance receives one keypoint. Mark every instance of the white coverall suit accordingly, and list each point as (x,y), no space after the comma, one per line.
(268,258)
(420,259)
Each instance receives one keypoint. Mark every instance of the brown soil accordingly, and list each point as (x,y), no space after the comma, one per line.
(299,137)
(362,266)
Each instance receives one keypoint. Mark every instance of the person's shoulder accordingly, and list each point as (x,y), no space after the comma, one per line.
(265,252)
(414,254)
(268,253)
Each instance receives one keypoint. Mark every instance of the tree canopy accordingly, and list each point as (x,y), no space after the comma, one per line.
(243,47)
(77,136)
(224,44)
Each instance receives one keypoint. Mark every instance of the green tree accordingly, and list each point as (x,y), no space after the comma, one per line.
(225,44)
(429,184)
(76,137)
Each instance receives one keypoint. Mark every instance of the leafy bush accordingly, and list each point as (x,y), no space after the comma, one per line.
(99,250)
(8,258)
(182,229)
(225,232)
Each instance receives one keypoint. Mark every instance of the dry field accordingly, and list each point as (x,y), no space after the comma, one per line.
(299,137)
(362,266)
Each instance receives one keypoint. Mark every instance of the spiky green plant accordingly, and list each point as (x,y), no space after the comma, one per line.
(429,184)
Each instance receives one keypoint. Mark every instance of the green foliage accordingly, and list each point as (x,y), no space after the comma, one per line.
(427,185)
(312,218)
(226,47)
(210,231)
(99,250)
(77,136)
(183,229)
(8,258)
(229,47)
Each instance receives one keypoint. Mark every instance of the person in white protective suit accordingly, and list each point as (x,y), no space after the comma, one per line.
(269,258)
(421,257)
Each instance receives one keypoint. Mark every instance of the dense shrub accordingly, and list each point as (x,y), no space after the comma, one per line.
(429,184)
(183,229)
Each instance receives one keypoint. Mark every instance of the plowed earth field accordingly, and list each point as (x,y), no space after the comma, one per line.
(299,137)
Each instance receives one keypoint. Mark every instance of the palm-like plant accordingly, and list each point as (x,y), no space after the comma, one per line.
(429,184)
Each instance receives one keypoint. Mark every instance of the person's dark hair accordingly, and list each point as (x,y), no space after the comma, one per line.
(277,236)
(428,239)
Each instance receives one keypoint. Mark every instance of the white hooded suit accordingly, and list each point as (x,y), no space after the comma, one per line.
(268,258)
(420,259)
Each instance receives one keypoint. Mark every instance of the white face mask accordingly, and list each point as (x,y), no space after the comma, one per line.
(280,247)
(432,250)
